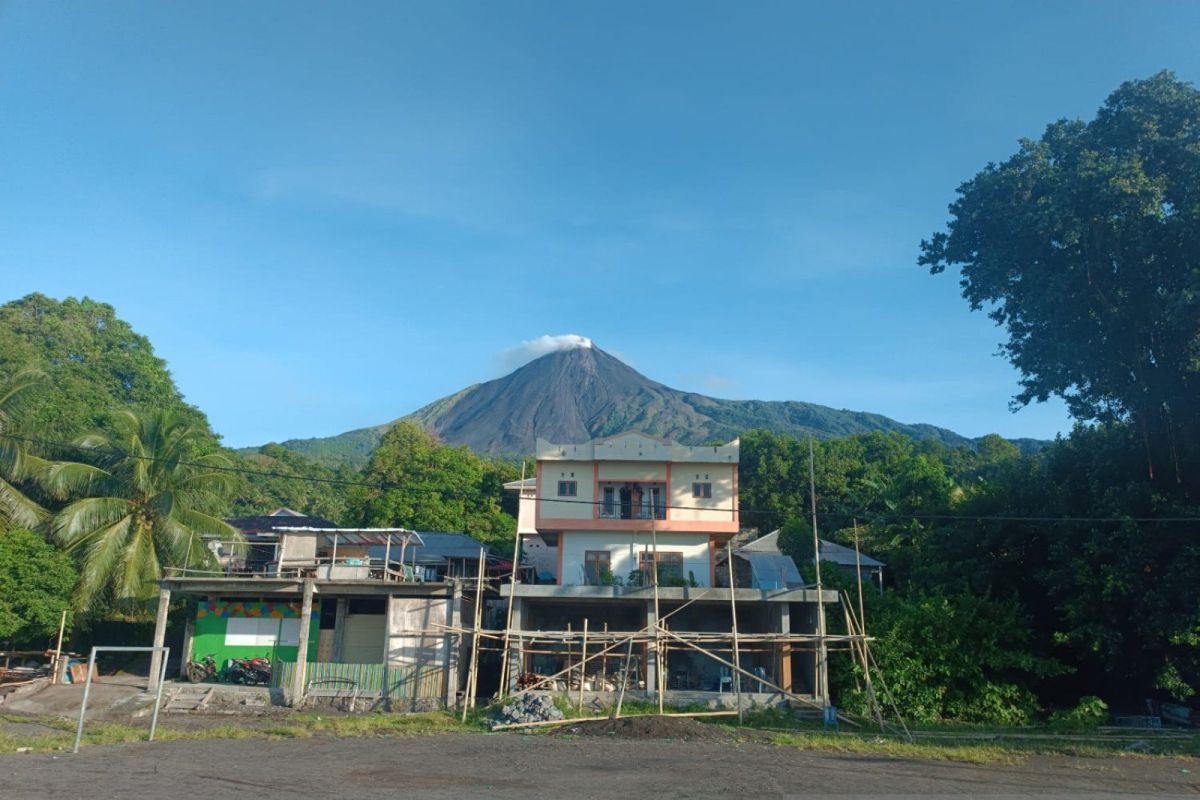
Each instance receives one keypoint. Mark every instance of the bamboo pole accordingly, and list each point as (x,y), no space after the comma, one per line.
(862,614)
(624,680)
(548,722)
(512,585)
(62,626)
(822,676)
(472,673)
(658,652)
(604,663)
(582,665)
(737,655)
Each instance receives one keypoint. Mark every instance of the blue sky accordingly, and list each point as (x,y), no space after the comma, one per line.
(325,215)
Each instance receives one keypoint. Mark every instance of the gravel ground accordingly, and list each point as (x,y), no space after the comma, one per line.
(517,766)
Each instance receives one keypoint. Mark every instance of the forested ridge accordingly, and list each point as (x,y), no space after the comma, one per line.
(1017,583)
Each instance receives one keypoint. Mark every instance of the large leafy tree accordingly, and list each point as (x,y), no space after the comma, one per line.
(145,499)
(36,579)
(93,362)
(1085,245)
(427,485)
(17,463)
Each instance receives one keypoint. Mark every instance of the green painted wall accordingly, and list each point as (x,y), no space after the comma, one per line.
(212,629)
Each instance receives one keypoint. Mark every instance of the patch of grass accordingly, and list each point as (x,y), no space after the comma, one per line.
(61,735)
(879,746)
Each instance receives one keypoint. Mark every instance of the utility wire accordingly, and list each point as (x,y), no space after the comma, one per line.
(387,485)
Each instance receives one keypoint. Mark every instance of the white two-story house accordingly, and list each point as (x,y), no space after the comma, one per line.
(600,522)
(612,506)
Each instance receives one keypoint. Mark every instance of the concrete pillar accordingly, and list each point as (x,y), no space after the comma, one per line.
(297,693)
(651,655)
(185,655)
(516,660)
(160,636)
(339,629)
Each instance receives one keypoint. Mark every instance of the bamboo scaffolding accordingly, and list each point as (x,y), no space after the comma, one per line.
(759,679)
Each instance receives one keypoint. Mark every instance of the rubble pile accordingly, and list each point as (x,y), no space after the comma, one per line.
(528,708)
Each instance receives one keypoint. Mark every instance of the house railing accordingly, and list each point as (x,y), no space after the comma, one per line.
(331,679)
(320,568)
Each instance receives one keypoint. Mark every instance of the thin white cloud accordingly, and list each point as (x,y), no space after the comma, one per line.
(530,349)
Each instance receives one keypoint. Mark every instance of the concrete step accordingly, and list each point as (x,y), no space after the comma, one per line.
(187,699)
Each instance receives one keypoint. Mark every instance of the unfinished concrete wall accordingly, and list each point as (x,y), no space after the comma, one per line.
(412,639)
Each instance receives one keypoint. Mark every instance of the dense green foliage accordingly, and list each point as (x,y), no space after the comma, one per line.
(94,363)
(36,580)
(996,535)
(434,487)
(317,489)
(1085,245)
(142,501)
(18,464)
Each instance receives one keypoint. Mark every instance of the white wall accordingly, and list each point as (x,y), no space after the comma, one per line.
(579,507)
(624,548)
(718,508)
(412,640)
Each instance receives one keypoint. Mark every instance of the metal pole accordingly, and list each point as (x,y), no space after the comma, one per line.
(387,557)
(87,689)
(158,695)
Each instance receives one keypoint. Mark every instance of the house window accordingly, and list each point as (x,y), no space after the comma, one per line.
(597,567)
(670,567)
(568,488)
(702,490)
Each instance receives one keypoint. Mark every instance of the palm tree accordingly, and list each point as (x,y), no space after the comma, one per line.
(17,463)
(140,504)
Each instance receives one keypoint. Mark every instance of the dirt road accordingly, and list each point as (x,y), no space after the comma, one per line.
(515,766)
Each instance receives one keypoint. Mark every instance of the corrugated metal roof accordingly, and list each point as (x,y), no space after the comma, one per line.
(830,551)
(844,556)
(438,546)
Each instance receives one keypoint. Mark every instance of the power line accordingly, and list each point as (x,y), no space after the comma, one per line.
(864,515)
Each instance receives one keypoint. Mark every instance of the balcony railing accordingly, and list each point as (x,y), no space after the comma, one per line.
(632,501)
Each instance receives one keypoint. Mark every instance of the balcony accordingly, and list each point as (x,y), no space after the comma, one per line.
(632,500)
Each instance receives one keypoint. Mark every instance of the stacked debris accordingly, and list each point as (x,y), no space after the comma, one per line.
(528,708)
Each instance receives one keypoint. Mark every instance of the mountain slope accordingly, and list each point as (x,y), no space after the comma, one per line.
(582,393)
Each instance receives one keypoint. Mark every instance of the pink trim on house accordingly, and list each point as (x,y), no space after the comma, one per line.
(662,526)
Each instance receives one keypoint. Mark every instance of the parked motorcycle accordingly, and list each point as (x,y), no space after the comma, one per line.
(248,671)
(203,670)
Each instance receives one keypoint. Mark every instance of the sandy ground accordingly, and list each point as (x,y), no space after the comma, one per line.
(518,766)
